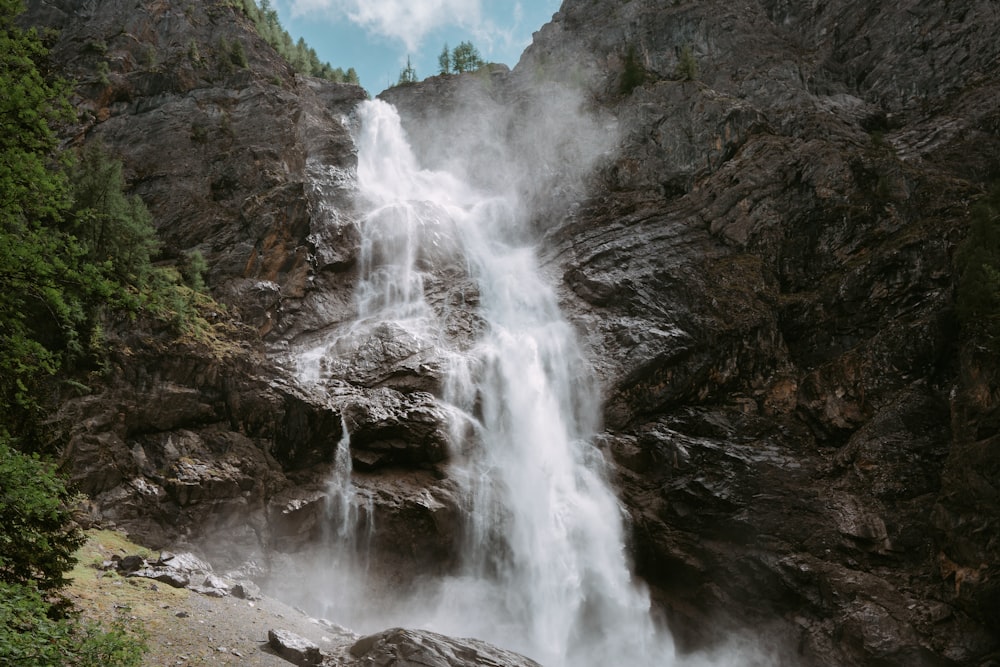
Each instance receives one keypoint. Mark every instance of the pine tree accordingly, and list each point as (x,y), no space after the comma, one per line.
(444,61)
(465,58)
(408,74)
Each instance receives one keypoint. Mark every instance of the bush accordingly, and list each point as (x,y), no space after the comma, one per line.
(37,536)
(28,636)
(634,74)
(687,66)
(37,544)
(193,270)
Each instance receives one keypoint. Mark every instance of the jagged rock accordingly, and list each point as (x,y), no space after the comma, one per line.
(399,647)
(214,586)
(131,563)
(184,562)
(246,590)
(294,648)
(167,575)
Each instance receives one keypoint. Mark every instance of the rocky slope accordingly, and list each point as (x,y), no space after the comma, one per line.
(759,261)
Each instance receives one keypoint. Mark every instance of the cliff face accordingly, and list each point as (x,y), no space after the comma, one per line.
(759,261)
(763,272)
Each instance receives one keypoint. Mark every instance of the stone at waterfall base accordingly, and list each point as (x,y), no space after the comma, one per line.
(294,648)
(399,647)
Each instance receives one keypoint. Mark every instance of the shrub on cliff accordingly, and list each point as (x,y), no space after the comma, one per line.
(687,65)
(633,73)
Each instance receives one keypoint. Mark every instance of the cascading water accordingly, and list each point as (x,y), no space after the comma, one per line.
(545,570)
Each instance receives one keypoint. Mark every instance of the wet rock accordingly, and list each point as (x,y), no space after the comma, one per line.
(246,590)
(297,650)
(412,648)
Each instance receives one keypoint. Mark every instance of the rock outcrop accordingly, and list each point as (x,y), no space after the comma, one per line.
(757,252)
(409,648)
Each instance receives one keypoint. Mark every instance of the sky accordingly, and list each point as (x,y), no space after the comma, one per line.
(376,36)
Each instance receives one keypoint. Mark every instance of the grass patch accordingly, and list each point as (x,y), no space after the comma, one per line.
(105,596)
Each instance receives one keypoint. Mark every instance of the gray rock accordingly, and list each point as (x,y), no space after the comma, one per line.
(245,590)
(294,648)
(184,562)
(399,647)
(167,575)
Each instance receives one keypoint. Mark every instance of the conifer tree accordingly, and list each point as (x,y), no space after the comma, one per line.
(444,60)
(408,74)
(465,58)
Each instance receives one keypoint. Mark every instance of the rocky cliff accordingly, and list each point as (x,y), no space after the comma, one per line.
(758,258)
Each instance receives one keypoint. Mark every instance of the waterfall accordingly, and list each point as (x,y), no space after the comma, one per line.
(545,570)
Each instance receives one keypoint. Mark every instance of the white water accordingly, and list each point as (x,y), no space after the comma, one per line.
(545,571)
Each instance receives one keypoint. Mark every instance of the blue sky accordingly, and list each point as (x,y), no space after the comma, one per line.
(375,36)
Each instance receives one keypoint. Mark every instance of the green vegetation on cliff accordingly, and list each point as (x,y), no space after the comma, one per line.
(463,58)
(72,247)
(299,55)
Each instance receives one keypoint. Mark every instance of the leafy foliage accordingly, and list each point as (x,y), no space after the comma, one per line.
(29,635)
(465,58)
(36,540)
(37,544)
(978,265)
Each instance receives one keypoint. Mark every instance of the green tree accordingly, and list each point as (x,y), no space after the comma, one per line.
(37,538)
(633,74)
(116,230)
(40,278)
(687,65)
(407,75)
(465,58)
(444,61)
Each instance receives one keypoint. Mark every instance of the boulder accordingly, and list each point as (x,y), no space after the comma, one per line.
(297,650)
(399,647)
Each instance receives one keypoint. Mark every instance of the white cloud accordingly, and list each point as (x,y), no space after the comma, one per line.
(408,21)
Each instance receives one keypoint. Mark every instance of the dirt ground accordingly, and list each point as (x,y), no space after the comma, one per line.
(184,628)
